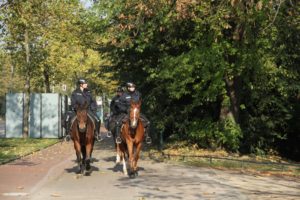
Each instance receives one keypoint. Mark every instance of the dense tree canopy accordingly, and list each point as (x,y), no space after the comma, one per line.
(218,73)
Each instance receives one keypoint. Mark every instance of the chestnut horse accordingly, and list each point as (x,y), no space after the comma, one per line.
(132,134)
(82,133)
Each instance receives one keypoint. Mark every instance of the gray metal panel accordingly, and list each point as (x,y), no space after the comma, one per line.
(35,123)
(64,107)
(50,115)
(14,115)
(59,116)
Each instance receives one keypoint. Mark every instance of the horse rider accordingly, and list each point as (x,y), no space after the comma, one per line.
(82,95)
(114,110)
(123,109)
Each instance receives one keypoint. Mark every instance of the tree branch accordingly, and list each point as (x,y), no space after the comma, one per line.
(277,11)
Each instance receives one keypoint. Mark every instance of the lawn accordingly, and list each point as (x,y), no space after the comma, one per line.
(13,148)
(190,155)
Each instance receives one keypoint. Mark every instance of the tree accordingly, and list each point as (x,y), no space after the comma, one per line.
(50,45)
(210,68)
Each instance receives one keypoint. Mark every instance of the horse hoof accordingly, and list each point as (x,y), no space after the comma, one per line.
(82,169)
(88,172)
(132,175)
(88,168)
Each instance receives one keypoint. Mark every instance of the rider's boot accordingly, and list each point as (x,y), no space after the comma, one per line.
(68,130)
(106,125)
(108,133)
(97,131)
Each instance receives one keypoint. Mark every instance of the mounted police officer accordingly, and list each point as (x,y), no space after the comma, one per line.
(79,96)
(123,107)
(114,111)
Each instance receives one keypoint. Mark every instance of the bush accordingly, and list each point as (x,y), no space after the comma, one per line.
(213,135)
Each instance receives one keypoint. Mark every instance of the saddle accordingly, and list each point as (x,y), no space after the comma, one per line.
(89,116)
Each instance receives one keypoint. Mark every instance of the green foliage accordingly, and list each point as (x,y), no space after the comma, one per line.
(223,74)
(213,135)
(60,44)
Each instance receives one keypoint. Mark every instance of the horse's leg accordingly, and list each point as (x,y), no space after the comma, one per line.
(83,152)
(118,157)
(93,142)
(137,156)
(89,148)
(123,158)
(77,147)
(131,156)
(117,147)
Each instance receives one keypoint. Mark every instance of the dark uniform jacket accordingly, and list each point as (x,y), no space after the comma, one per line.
(80,97)
(114,109)
(124,101)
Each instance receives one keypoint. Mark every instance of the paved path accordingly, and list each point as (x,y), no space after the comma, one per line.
(155,181)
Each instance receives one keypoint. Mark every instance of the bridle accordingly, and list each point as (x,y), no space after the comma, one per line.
(81,130)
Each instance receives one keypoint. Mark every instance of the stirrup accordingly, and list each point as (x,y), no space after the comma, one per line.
(98,138)
(108,134)
(148,140)
(118,140)
(67,138)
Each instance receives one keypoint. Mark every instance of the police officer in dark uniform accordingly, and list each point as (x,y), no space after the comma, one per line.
(115,101)
(114,111)
(123,107)
(79,96)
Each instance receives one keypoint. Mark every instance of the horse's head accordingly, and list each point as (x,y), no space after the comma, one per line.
(135,108)
(81,114)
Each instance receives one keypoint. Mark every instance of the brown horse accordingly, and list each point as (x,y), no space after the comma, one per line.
(132,134)
(82,133)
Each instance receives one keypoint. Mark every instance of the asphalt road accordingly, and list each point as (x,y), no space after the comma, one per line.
(156,181)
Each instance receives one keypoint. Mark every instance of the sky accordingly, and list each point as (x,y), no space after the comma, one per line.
(86,3)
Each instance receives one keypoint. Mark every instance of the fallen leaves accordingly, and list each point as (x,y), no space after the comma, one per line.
(55,195)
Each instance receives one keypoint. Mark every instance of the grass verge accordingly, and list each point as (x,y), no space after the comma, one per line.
(14,148)
(191,155)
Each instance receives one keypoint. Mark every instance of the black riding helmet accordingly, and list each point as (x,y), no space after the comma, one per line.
(120,89)
(81,81)
(130,84)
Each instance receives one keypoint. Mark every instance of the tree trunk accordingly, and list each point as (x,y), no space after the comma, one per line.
(27,86)
(46,81)
(232,108)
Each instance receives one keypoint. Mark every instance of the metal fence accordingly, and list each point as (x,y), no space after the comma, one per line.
(45,117)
